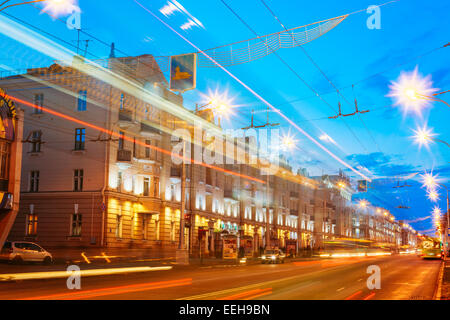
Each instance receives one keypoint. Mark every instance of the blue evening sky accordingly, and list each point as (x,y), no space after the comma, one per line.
(378,142)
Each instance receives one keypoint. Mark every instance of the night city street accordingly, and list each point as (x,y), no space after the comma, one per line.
(403,278)
(223,159)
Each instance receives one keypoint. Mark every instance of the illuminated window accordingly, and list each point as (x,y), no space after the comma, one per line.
(156,187)
(157,229)
(144,227)
(76,225)
(146,189)
(172,231)
(82,100)
(80,138)
(32,221)
(119,225)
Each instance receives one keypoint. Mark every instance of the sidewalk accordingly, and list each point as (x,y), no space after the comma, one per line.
(444,293)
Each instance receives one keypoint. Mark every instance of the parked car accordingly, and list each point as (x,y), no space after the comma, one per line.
(21,251)
(273,256)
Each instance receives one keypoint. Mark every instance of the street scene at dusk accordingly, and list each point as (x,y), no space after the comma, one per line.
(224,150)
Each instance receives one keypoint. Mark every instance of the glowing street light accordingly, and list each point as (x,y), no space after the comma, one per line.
(288,142)
(423,136)
(217,102)
(433,195)
(430,181)
(363,204)
(56,7)
(412,91)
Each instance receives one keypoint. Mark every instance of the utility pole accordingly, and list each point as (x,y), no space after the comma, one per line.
(267,209)
(182,254)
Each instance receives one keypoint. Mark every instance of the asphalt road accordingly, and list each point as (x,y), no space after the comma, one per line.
(402,278)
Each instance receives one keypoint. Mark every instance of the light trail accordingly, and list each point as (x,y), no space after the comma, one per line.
(83,273)
(87,294)
(258,96)
(132,140)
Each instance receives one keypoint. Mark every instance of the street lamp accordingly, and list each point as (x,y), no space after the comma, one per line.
(363,204)
(424,135)
(430,181)
(219,103)
(55,6)
(433,195)
(414,92)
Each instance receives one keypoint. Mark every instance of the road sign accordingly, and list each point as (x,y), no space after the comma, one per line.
(183,72)
(362,186)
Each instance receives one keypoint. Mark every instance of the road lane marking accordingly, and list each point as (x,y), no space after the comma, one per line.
(86,294)
(353,295)
(247,294)
(370,296)
(260,295)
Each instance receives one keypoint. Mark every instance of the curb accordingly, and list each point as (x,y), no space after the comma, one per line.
(438,292)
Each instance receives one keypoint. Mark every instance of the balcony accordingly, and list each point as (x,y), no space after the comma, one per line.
(150,131)
(124,156)
(294,195)
(229,194)
(293,212)
(125,118)
(175,172)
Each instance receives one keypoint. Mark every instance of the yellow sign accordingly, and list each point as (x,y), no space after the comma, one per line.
(8,117)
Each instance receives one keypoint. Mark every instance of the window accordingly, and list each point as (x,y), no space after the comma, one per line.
(119,181)
(36,141)
(78,180)
(82,100)
(32,221)
(121,140)
(155,187)
(122,101)
(146,188)
(76,225)
(147,149)
(39,103)
(144,227)
(80,138)
(157,229)
(119,226)
(34,181)
(4,159)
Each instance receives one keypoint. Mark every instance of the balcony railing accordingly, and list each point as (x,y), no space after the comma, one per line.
(149,130)
(294,194)
(123,156)
(175,172)
(293,212)
(125,116)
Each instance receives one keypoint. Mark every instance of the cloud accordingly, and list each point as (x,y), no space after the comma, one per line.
(382,165)
(169,9)
(173,6)
(418,219)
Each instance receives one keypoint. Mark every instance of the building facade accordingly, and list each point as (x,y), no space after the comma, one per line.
(99,171)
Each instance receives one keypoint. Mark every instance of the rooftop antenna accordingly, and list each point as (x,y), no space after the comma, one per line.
(112,54)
